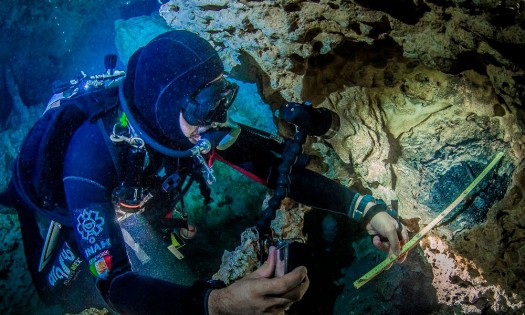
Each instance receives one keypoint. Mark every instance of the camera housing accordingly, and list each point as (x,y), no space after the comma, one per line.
(320,122)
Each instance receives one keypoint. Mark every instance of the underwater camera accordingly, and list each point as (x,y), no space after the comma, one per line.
(320,122)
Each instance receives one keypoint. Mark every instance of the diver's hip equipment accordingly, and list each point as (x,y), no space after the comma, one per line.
(130,194)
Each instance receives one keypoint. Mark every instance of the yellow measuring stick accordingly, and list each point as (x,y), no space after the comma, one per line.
(416,238)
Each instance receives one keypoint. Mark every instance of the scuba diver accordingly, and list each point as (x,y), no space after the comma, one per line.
(136,141)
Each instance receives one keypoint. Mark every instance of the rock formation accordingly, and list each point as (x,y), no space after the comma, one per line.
(427,93)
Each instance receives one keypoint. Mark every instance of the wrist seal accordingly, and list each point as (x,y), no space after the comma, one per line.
(358,210)
(197,297)
(380,206)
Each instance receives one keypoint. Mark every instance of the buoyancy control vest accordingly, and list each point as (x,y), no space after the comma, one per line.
(36,181)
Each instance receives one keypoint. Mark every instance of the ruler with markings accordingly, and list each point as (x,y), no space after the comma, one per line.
(416,238)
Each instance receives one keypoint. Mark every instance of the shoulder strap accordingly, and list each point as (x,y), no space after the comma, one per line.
(105,126)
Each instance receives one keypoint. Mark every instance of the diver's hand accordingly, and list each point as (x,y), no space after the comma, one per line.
(382,224)
(259,293)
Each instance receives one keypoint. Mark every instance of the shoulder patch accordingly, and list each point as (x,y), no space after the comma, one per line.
(89,225)
(100,266)
(92,230)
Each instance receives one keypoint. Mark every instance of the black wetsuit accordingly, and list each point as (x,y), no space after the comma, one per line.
(95,244)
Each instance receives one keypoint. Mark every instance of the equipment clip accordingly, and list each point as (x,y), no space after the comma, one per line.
(203,146)
(120,136)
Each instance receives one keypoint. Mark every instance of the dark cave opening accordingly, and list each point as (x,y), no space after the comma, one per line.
(407,11)
(350,63)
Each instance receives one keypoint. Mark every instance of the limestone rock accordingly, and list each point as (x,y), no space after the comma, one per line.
(92,311)
(18,123)
(135,33)
(461,283)
(427,92)
(245,258)
(15,283)
(241,261)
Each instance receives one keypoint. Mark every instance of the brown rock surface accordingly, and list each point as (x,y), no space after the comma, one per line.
(427,93)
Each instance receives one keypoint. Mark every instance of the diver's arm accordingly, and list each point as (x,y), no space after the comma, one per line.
(260,156)
(100,240)
(254,154)
(89,176)
(319,191)
(102,245)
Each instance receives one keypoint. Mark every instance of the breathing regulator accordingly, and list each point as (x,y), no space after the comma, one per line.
(130,194)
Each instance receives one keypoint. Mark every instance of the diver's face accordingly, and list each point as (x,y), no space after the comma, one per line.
(214,99)
(193,133)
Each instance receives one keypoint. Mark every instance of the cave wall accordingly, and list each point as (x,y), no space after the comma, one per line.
(427,91)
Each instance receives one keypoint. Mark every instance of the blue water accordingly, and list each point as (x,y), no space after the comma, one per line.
(56,39)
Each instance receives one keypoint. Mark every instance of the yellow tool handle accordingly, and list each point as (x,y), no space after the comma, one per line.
(416,238)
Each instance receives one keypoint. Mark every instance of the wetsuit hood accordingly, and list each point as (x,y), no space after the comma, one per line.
(161,77)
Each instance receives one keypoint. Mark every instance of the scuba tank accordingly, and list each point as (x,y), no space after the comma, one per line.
(84,84)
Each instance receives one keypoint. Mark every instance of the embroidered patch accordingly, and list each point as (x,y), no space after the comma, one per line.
(90,224)
(92,232)
(65,266)
(100,266)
